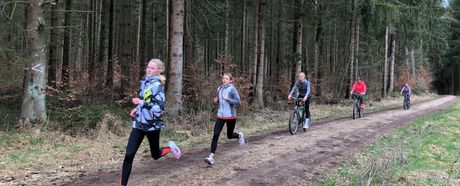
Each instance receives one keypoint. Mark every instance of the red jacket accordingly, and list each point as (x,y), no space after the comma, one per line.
(360,87)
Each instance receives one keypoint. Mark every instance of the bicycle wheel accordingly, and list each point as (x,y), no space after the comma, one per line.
(360,113)
(294,121)
(355,111)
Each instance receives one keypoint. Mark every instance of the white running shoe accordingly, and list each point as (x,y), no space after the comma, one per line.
(241,138)
(209,160)
(306,124)
(174,149)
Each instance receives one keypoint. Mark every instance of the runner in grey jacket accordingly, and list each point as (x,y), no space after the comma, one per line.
(227,106)
(228,98)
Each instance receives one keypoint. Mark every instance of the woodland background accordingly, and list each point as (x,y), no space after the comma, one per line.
(61,59)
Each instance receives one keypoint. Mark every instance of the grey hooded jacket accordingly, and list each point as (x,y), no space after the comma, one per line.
(227,107)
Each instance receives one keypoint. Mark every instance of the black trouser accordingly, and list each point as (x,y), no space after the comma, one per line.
(135,139)
(306,110)
(360,99)
(218,128)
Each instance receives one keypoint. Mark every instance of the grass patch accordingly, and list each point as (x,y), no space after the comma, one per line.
(425,153)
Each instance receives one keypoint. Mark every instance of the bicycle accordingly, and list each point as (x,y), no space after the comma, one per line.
(406,102)
(297,117)
(357,111)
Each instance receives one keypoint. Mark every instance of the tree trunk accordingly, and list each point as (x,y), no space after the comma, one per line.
(357,73)
(54,45)
(168,29)
(227,23)
(298,27)
(125,46)
(67,44)
(260,66)
(253,70)
(91,41)
(189,44)
(243,39)
(141,38)
(412,63)
(385,65)
(154,48)
(102,38)
(176,54)
(392,64)
(109,79)
(407,58)
(352,45)
(317,33)
(34,102)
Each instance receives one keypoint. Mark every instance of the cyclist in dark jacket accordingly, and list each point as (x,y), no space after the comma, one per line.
(406,91)
(304,92)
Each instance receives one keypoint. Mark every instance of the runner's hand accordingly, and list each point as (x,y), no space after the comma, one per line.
(133,112)
(136,101)
(289,97)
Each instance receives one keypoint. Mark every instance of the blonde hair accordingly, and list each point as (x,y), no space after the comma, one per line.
(229,75)
(160,67)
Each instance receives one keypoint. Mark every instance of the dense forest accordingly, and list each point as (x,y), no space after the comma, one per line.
(59,54)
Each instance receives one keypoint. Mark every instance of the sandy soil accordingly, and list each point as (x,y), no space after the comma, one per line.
(277,158)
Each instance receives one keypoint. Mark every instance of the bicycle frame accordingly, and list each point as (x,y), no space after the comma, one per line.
(297,117)
(357,111)
(406,101)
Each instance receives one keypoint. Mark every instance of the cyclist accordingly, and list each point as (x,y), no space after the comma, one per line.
(360,88)
(406,91)
(304,92)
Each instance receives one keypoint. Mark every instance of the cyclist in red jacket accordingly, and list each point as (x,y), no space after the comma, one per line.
(360,88)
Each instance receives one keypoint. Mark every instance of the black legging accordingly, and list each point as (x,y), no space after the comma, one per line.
(135,139)
(306,111)
(218,128)
(360,98)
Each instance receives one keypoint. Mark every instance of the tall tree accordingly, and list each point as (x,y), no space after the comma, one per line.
(54,44)
(67,44)
(255,46)
(385,64)
(298,27)
(261,57)
(110,55)
(176,56)
(125,45)
(105,8)
(243,39)
(352,45)
(392,64)
(34,101)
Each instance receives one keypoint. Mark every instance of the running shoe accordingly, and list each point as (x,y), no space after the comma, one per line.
(306,124)
(174,149)
(241,138)
(209,160)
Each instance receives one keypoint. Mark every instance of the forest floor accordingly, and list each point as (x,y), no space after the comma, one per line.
(273,158)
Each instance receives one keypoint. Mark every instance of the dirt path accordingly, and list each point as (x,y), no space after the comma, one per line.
(277,158)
